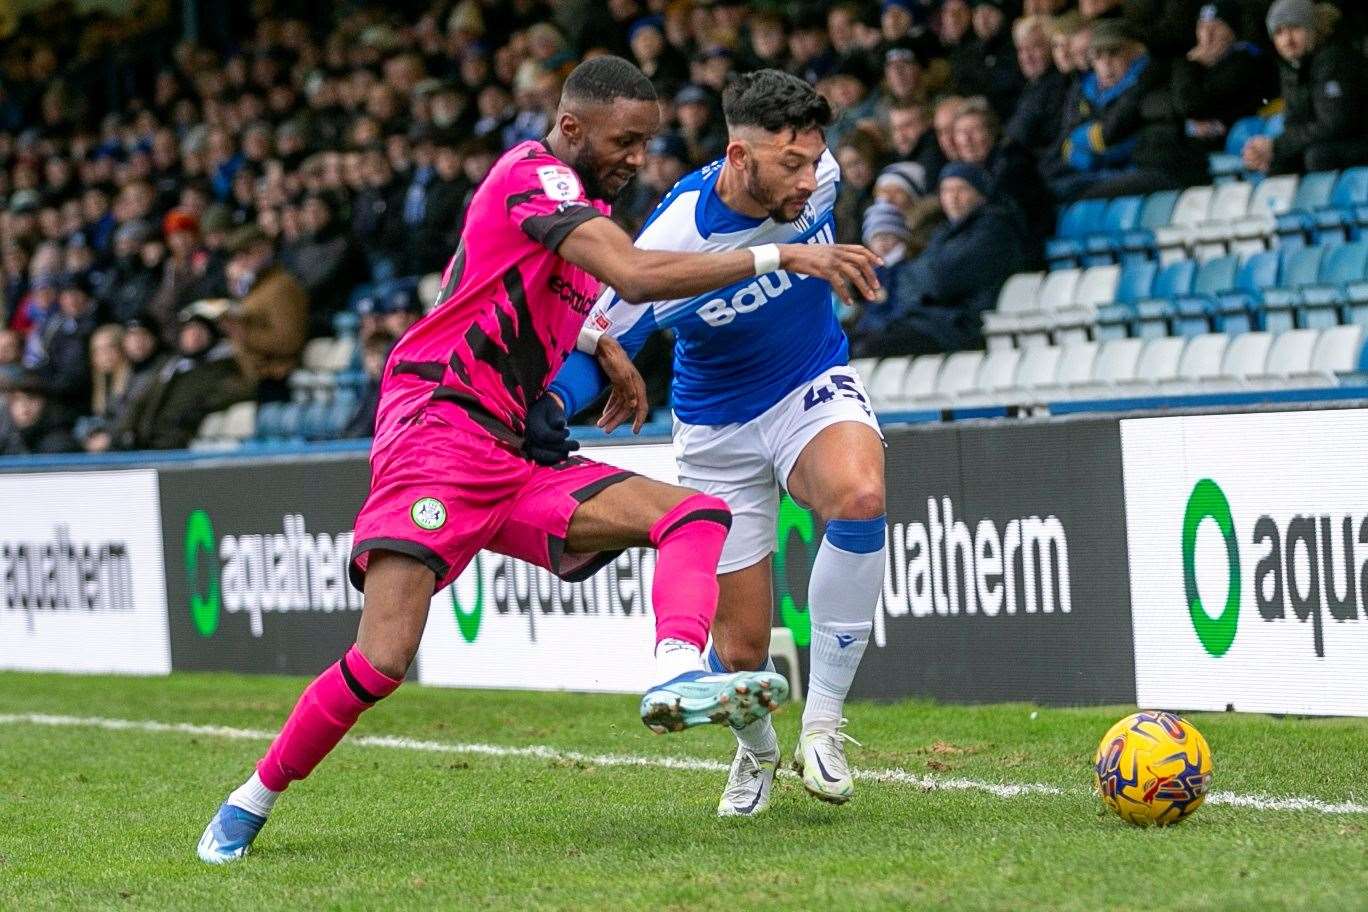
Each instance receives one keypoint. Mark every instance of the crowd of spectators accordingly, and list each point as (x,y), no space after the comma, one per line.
(181,216)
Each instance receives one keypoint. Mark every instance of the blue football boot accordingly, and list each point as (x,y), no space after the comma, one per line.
(707,697)
(229,835)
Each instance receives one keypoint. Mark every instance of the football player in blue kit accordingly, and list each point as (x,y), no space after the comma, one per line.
(764,401)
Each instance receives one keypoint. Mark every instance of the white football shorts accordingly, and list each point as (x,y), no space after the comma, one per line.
(748,464)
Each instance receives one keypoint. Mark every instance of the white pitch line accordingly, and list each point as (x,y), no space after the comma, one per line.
(543,752)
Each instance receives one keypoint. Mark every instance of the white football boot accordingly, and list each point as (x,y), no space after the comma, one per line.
(821,763)
(748,784)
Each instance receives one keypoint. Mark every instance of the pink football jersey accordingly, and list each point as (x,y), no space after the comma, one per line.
(511,308)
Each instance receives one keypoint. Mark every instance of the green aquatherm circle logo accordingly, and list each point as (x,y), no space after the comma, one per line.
(468,618)
(1208,501)
(204,602)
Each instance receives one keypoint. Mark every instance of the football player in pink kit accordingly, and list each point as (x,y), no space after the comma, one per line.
(448,472)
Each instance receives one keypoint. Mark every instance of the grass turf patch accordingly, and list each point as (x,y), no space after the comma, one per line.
(108,819)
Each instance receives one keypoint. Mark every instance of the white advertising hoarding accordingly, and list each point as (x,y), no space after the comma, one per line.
(82,585)
(1248,544)
(505,623)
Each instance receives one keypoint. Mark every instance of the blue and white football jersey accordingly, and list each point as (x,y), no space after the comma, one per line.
(741,349)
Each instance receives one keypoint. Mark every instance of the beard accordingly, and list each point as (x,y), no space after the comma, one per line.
(587,170)
(773,205)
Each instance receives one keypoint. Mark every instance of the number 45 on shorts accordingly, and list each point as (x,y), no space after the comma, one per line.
(834,386)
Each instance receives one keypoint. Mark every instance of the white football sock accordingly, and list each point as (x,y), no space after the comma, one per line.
(843,594)
(254,796)
(675,657)
(759,736)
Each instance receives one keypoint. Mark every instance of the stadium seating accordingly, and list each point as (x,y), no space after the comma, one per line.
(1017,298)
(1313,193)
(1139,242)
(1191,210)
(1229,203)
(1273,197)
(1125,367)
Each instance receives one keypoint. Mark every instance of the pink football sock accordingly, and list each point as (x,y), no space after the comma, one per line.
(689,539)
(326,711)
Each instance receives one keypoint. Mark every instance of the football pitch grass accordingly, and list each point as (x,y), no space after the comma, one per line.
(501,800)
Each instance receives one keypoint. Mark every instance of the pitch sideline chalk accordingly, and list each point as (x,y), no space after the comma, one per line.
(543,752)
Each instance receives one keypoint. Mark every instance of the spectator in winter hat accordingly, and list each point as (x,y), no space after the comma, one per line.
(200,378)
(905,186)
(269,322)
(28,425)
(1115,143)
(1323,90)
(904,74)
(1221,80)
(986,63)
(142,345)
(399,310)
(712,67)
(935,301)
(885,232)
(700,124)
(901,184)
(661,63)
(897,18)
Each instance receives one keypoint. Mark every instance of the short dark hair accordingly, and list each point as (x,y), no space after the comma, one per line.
(774,100)
(603,80)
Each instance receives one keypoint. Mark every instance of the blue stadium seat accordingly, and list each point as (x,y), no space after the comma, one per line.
(1229,164)
(1196,312)
(1104,246)
(268,420)
(1137,281)
(1076,222)
(350,379)
(1295,226)
(339,413)
(1322,304)
(1153,314)
(1114,320)
(1241,310)
(346,395)
(1155,213)
(313,421)
(1339,216)
(1300,269)
(291,420)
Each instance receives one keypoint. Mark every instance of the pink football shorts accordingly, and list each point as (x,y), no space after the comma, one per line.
(442,489)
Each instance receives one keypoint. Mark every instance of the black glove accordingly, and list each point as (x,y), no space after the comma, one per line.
(548,438)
